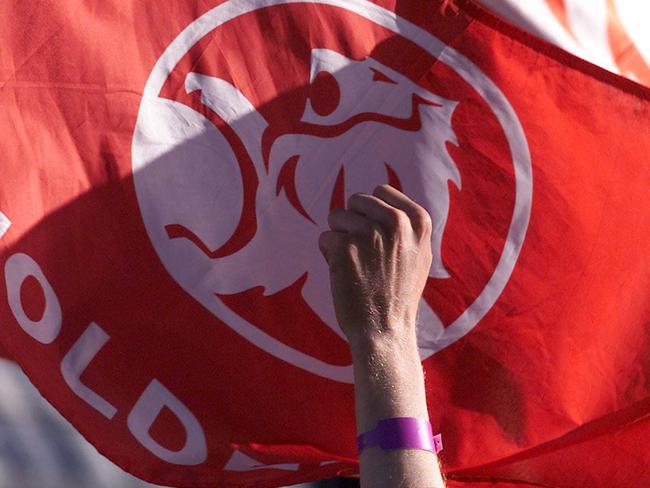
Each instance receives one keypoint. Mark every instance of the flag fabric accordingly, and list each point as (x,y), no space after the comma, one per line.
(3,354)
(609,33)
(168,167)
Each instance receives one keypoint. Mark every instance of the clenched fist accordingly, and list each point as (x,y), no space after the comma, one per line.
(379,255)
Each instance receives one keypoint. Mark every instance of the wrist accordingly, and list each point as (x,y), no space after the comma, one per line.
(392,366)
(389,382)
(388,356)
(397,340)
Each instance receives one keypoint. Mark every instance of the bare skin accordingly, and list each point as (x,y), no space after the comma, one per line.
(379,254)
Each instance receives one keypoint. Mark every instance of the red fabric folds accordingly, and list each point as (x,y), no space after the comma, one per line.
(168,166)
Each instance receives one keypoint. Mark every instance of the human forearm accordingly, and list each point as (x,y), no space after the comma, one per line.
(379,254)
(389,383)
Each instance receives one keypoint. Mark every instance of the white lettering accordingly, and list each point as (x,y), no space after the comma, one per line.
(5,223)
(77,360)
(143,415)
(17,269)
(241,462)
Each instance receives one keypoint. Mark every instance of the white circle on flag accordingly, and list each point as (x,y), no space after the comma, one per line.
(165,128)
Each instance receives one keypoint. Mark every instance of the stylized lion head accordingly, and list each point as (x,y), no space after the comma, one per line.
(383,128)
(364,124)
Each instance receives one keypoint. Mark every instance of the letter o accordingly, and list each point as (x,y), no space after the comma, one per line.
(17,269)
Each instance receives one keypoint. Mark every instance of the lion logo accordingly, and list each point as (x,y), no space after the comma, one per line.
(382,124)
(238,206)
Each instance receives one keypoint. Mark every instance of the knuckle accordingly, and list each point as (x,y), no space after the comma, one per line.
(323,239)
(333,216)
(355,199)
(336,247)
(381,189)
(329,240)
(330,220)
(325,242)
(396,220)
(402,219)
(423,220)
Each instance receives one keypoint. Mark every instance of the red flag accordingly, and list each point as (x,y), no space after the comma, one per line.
(4,353)
(167,171)
(609,33)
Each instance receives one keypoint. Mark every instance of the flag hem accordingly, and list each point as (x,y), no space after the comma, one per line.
(491,20)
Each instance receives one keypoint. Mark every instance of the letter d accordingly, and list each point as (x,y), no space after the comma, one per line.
(143,415)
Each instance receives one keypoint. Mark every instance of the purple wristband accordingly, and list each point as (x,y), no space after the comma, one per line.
(401,433)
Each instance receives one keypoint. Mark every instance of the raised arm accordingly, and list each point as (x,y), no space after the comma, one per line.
(379,254)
